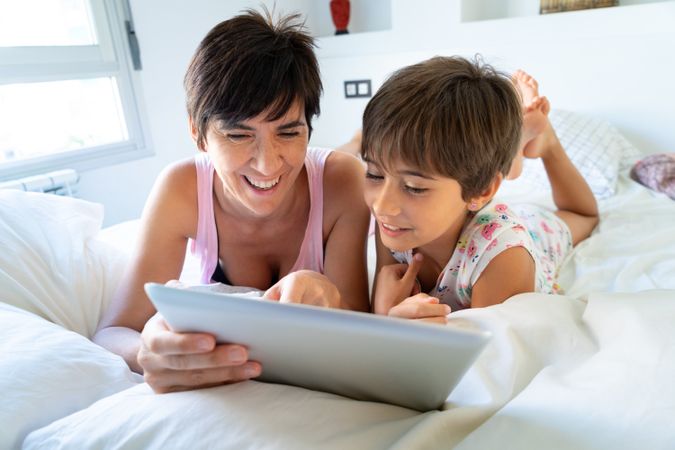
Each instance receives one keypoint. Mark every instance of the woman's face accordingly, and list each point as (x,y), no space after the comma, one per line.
(258,161)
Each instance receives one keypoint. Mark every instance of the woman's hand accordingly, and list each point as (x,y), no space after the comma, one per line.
(182,361)
(305,286)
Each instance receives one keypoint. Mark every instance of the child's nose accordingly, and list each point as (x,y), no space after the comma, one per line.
(386,202)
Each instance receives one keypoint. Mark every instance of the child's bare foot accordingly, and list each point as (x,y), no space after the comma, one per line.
(535,107)
(535,120)
(353,146)
(526,85)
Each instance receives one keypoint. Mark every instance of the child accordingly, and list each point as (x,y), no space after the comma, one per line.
(438,138)
(258,206)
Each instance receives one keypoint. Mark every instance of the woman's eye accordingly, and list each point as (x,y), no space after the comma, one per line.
(289,134)
(372,176)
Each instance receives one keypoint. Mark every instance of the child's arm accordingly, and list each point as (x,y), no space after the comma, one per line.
(391,285)
(509,273)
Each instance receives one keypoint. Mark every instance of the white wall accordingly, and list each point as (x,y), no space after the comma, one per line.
(615,64)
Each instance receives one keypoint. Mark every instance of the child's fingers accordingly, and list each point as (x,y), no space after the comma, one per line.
(420,306)
(413,269)
(421,298)
(441,320)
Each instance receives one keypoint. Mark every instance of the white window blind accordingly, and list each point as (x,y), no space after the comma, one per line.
(68,85)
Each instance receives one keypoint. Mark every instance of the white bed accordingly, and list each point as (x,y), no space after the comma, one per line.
(593,369)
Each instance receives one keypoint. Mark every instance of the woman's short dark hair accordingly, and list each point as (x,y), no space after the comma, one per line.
(249,64)
(448,116)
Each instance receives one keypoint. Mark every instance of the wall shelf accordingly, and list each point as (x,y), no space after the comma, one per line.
(481,10)
(365,16)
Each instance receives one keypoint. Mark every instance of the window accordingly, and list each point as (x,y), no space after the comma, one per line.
(67,86)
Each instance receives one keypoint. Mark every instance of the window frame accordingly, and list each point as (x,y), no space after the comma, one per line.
(111,57)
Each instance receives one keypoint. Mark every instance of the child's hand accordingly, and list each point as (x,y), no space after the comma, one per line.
(395,283)
(422,307)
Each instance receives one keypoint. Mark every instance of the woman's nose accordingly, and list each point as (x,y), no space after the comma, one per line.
(267,158)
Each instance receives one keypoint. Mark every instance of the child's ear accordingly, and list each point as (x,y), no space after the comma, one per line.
(194,133)
(478,202)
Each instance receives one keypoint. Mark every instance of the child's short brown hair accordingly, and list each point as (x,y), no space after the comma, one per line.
(448,116)
(248,64)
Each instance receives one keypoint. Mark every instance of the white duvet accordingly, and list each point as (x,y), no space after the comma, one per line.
(593,369)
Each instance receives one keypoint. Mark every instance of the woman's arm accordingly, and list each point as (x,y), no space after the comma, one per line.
(169,361)
(158,257)
(346,221)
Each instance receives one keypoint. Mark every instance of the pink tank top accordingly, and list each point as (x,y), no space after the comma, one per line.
(205,244)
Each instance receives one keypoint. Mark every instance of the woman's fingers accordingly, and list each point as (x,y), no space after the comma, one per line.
(179,380)
(158,338)
(179,361)
(305,286)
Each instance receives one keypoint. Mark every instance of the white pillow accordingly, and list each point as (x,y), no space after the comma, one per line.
(595,147)
(50,265)
(237,416)
(47,373)
(124,236)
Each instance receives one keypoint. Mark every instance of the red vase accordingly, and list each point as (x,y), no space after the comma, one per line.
(339,11)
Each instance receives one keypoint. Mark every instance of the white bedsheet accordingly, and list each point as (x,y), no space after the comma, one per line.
(559,374)
(593,369)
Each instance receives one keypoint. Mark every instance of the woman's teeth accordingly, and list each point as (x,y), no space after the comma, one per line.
(262,184)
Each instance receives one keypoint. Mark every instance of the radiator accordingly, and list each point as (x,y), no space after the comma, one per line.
(60,182)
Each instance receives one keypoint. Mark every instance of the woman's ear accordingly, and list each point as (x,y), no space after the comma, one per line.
(194,133)
(476,203)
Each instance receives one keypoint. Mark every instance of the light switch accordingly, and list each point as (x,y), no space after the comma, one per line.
(357,89)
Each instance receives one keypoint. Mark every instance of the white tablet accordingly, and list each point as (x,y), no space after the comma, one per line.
(359,355)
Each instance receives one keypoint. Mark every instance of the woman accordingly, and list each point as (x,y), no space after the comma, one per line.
(260,208)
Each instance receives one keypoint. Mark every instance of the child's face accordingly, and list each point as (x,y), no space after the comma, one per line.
(258,161)
(414,209)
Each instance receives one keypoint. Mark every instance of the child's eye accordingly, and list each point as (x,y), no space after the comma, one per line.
(415,190)
(374,177)
(235,137)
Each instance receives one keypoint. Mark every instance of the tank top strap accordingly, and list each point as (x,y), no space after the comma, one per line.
(205,244)
(311,252)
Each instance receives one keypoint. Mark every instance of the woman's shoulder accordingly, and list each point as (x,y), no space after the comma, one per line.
(343,179)
(175,192)
(178,177)
(180,170)
(343,171)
